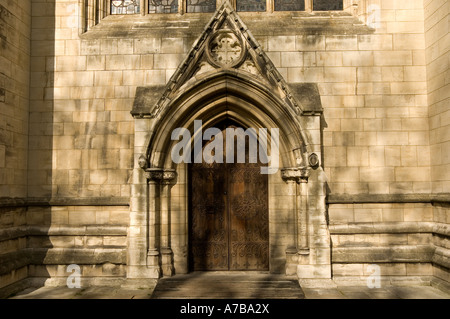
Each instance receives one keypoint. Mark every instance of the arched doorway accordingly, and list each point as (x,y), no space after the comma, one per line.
(229,219)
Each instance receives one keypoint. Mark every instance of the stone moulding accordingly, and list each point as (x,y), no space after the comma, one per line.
(65,201)
(387,254)
(388,198)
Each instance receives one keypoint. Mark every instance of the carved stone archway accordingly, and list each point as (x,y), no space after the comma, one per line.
(227,75)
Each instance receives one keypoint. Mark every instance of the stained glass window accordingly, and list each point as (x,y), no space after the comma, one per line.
(125,6)
(289,5)
(163,6)
(326,5)
(200,6)
(251,5)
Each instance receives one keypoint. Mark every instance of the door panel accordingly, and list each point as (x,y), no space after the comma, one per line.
(249,233)
(209,220)
(229,226)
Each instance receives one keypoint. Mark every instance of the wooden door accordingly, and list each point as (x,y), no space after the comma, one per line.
(229,225)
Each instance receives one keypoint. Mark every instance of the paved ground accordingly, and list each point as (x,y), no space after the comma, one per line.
(419,292)
(234,286)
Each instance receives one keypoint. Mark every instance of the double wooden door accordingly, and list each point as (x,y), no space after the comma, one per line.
(229,225)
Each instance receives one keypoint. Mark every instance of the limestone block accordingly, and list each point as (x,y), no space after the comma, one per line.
(81,217)
(108,78)
(313,271)
(330,58)
(116,241)
(391,74)
(147,62)
(341,214)
(408,41)
(90,47)
(392,138)
(68,159)
(358,58)
(369,74)
(172,45)
(147,45)
(398,269)
(95,62)
(410,174)
(76,78)
(341,42)
(392,215)
(392,58)
(310,43)
(154,77)
(110,269)
(419,269)
(167,61)
(409,87)
(309,74)
(375,42)
(418,214)
(70,63)
(348,269)
(281,43)
(339,74)
(291,59)
(119,217)
(367,215)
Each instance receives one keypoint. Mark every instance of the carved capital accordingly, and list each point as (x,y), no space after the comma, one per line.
(154,174)
(169,177)
(163,176)
(296,174)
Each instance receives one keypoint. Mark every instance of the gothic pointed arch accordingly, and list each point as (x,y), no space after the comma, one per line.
(227,73)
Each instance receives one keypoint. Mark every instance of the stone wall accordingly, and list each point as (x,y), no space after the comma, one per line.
(436,39)
(15,22)
(92,237)
(14,91)
(385,131)
(437,58)
(13,241)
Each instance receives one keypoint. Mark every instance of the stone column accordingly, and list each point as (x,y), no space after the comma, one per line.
(291,251)
(154,176)
(168,180)
(144,7)
(299,176)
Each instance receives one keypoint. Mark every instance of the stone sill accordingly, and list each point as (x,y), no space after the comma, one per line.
(191,24)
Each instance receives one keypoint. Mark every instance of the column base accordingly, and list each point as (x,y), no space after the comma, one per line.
(167,262)
(143,272)
(291,261)
(314,271)
(153,262)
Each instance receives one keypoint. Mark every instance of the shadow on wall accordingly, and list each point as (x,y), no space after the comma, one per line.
(25,222)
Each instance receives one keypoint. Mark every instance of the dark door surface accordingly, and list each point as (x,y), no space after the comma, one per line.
(229,225)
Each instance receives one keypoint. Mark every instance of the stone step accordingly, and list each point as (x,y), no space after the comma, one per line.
(228,285)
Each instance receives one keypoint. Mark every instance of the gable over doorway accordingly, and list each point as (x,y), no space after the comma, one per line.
(227,76)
